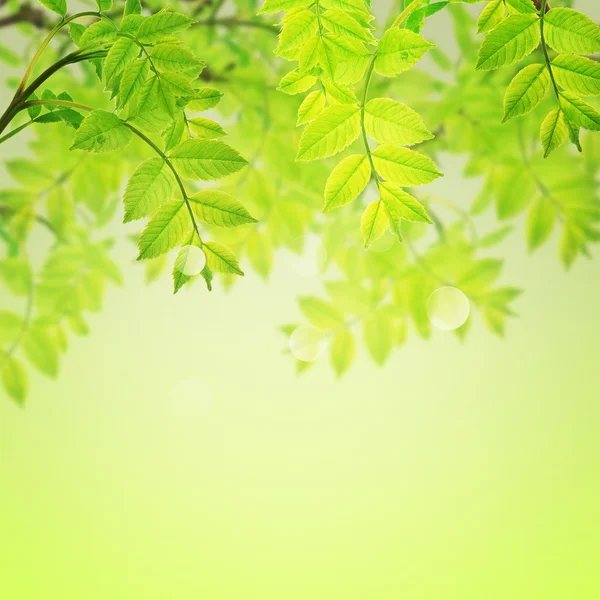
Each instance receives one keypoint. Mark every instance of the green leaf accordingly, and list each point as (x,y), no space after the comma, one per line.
(295,32)
(102,131)
(579,112)
(540,222)
(320,313)
(104,5)
(347,181)
(577,74)
(399,50)
(206,159)
(275,6)
(173,57)
(133,78)
(204,99)
(132,7)
(221,259)
(312,106)
(526,91)
(39,348)
(342,23)
(151,185)
(206,128)
(374,222)
(166,229)
(58,6)
(490,16)
(161,26)
(554,131)
(331,132)
(404,167)
(377,331)
(14,379)
(389,121)
(15,273)
(567,30)
(515,38)
(296,83)
(343,351)
(402,205)
(123,52)
(218,208)
(523,6)
(11,326)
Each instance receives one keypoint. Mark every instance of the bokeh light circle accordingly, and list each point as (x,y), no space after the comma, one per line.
(448,308)
(190,261)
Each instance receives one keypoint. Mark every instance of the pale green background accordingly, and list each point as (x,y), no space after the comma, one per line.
(456,472)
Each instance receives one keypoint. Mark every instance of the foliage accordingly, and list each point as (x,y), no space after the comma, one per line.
(380,291)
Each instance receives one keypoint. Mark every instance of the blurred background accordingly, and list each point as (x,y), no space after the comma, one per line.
(179,456)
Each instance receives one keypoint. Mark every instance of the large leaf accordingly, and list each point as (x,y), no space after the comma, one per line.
(166,229)
(526,91)
(567,30)
(577,74)
(331,132)
(58,6)
(218,208)
(347,181)
(404,167)
(206,159)
(102,131)
(516,37)
(374,222)
(399,50)
(389,121)
(161,26)
(14,378)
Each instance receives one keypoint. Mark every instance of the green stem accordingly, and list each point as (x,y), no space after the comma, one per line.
(368,78)
(545,50)
(401,18)
(175,173)
(15,131)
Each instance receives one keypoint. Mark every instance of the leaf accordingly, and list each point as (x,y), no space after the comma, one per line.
(402,205)
(206,128)
(312,106)
(347,181)
(58,6)
(15,273)
(579,112)
(343,351)
(132,7)
(320,313)
(39,348)
(221,259)
(526,91)
(377,331)
(554,131)
(204,99)
(11,326)
(577,74)
(374,222)
(296,83)
(14,379)
(490,16)
(104,5)
(206,159)
(523,6)
(515,38)
(389,121)
(218,208)
(133,78)
(567,30)
(275,6)
(295,32)
(173,57)
(102,131)
(165,230)
(399,50)
(161,26)
(404,167)
(151,184)
(342,23)
(331,132)
(540,222)
(123,52)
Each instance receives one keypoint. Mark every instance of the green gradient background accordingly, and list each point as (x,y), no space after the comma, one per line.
(467,472)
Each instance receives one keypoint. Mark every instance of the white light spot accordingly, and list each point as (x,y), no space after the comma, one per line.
(448,308)
(190,261)
(307,343)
